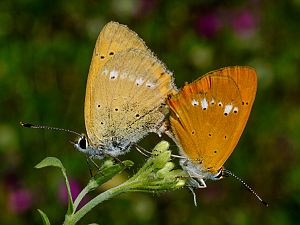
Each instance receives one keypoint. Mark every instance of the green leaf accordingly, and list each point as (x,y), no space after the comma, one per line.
(44,217)
(52,161)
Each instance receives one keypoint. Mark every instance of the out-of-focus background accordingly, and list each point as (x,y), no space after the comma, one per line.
(45,51)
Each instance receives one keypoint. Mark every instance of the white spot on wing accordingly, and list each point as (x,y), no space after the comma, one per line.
(220,104)
(227,109)
(113,74)
(235,109)
(139,81)
(204,103)
(195,102)
(212,102)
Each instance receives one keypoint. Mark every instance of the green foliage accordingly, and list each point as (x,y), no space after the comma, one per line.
(52,161)
(155,176)
(44,217)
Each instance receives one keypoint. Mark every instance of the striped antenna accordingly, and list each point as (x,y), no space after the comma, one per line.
(227,173)
(29,125)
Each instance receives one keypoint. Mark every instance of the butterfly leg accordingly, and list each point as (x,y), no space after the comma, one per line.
(194,195)
(193,183)
(202,184)
(196,182)
(89,165)
(89,160)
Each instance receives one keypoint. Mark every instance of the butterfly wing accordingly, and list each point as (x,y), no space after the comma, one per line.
(126,99)
(208,115)
(246,80)
(113,38)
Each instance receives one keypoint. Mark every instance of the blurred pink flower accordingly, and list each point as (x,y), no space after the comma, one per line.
(244,23)
(75,190)
(20,200)
(208,25)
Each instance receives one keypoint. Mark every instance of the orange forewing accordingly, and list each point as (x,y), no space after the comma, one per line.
(205,134)
(246,80)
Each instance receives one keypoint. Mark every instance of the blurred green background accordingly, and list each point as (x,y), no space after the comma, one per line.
(45,51)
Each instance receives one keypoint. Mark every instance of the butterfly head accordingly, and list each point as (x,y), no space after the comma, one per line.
(111,147)
(82,145)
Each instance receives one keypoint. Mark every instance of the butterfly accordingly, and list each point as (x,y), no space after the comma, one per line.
(125,93)
(125,96)
(208,117)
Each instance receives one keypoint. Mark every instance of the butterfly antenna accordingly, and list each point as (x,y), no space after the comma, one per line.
(29,125)
(141,150)
(227,173)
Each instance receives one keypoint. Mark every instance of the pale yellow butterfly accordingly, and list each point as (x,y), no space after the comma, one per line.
(125,94)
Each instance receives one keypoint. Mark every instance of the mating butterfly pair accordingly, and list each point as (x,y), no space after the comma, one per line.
(129,93)
(125,94)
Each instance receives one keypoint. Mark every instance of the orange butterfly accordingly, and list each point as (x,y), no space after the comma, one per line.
(208,117)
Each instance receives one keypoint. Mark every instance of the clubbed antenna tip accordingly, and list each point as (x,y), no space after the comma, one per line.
(26,124)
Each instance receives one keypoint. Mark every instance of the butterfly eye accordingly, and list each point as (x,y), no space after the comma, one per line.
(82,142)
(219,175)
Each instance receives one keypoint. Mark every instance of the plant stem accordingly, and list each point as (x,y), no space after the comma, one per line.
(80,197)
(156,175)
(74,218)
